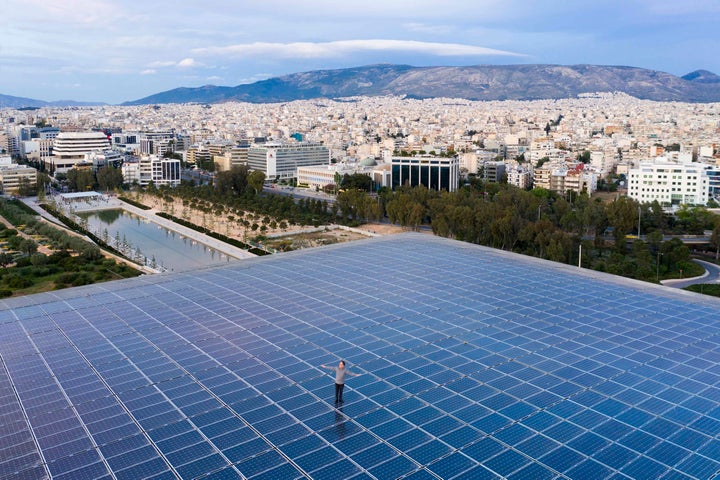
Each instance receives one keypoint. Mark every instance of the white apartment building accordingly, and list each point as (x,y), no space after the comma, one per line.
(469,162)
(670,183)
(71,148)
(520,175)
(281,161)
(12,175)
(560,178)
(151,168)
(37,149)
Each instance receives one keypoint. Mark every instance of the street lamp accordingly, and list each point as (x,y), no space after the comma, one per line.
(657,267)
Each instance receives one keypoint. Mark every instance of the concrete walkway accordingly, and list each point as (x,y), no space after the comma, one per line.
(220,246)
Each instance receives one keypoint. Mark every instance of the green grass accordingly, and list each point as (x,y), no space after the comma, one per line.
(712,289)
(134,203)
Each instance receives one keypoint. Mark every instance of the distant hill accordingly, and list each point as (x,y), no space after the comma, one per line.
(479,82)
(8,101)
(702,76)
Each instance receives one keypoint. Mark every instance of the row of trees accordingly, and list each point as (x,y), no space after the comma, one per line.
(73,261)
(543,224)
(15,212)
(237,193)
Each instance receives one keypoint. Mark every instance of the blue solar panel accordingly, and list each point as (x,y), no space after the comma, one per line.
(475,364)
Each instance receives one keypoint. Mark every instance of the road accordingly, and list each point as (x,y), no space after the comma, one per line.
(198,177)
(712,275)
(300,193)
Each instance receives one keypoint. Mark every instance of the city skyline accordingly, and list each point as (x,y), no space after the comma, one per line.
(114,51)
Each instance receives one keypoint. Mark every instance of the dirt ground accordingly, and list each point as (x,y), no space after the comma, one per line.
(297,241)
(291,238)
(382,228)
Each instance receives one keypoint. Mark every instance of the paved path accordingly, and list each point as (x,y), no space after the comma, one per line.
(711,275)
(220,246)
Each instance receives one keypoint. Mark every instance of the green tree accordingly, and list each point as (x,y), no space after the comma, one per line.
(622,215)
(109,178)
(233,181)
(26,188)
(27,246)
(584,157)
(356,180)
(542,162)
(256,180)
(80,180)
(5,259)
(715,240)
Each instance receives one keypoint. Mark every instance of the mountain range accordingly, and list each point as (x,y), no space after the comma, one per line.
(20,102)
(478,82)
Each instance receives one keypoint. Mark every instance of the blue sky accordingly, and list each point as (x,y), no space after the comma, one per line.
(118,50)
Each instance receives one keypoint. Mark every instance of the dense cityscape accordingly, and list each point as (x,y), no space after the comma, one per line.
(539,143)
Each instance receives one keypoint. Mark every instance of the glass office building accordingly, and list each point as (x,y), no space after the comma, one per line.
(434,173)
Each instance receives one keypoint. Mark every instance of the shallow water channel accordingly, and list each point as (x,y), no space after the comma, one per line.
(157,246)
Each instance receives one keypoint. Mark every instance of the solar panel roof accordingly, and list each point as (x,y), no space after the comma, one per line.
(475,363)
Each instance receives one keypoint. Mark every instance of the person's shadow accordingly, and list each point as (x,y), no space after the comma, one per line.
(340,420)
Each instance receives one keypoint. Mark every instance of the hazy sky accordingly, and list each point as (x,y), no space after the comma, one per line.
(118,50)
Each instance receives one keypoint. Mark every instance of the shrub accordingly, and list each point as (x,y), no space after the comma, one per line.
(23,262)
(16,281)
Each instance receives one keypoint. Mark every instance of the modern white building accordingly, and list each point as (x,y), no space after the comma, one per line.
(37,149)
(71,148)
(151,168)
(319,176)
(102,158)
(11,177)
(670,183)
(282,160)
(435,173)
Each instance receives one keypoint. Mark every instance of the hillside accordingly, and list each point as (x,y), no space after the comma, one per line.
(9,101)
(479,82)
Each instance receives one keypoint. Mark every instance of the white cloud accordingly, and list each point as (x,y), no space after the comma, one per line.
(148,71)
(345,47)
(184,63)
(187,63)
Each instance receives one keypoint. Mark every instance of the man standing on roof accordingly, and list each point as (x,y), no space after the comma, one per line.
(340,373)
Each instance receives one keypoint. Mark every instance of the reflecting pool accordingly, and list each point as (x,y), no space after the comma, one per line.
(146,241)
